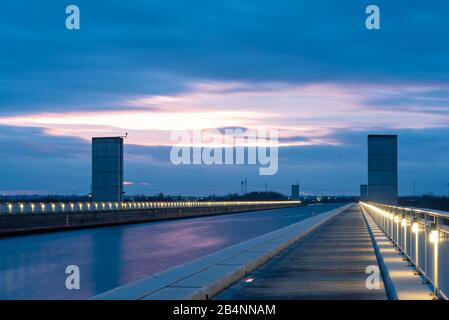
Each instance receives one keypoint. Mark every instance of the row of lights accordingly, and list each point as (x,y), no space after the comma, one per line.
(136,205)
(434,238)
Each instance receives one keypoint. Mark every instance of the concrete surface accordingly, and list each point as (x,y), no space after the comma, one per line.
(383,168)
(328,264)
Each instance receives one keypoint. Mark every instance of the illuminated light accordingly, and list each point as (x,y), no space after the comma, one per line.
(249,280)
(415,227)
(404,222)
(396,219)
(434,236)
(391,216)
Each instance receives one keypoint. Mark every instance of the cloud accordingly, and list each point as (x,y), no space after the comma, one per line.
(312,112)
(307,68)
(159,47)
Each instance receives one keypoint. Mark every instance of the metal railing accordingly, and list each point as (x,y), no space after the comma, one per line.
(79,207)
(422,236)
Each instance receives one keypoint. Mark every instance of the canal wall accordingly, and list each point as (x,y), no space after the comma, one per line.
(30,223)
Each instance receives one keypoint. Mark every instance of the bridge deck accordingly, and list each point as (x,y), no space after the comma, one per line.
(329,264)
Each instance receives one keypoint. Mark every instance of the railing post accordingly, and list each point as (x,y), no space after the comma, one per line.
(426,264)
(390,223)
(404,234)
(435,238)
(415,230)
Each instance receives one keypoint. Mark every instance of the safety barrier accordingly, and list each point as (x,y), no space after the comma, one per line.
(79,207)
(422,236)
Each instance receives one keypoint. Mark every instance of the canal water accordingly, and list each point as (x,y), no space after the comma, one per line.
(34,266)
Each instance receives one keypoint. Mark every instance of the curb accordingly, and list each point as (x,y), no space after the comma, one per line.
(389,286)
(206,276)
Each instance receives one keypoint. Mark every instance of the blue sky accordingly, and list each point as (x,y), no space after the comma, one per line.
(307,68)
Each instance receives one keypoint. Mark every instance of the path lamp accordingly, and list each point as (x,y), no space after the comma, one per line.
(415,230)
(390,226)
(396,221)
(434,238)
(404,225)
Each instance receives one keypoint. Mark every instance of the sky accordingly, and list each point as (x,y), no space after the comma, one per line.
(309,69)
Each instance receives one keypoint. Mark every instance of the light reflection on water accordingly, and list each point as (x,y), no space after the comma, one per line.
(33,267)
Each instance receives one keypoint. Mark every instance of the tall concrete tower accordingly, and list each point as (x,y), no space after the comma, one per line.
(383,168)
(295,191)
(107,169)
(363,192)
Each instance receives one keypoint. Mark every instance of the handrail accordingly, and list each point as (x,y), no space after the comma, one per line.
(80,207)
(421,235)
(431,212)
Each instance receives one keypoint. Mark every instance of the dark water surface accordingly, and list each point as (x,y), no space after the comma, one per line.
(33,267)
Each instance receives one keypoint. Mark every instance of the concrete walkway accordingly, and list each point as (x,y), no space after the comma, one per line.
(329,264)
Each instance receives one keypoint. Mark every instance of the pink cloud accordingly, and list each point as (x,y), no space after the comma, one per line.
(312,111)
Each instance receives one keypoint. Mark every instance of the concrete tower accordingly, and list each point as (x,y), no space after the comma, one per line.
(107,169)
(383,169)
(363,192)
(295,191)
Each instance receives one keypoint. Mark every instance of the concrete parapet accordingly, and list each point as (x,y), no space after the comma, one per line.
(63,218)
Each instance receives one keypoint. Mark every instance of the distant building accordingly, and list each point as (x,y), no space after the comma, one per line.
(383,169)
(295,191)
(107,169)
(363,192)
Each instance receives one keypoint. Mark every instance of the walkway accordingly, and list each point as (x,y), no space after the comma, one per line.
(329,264)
